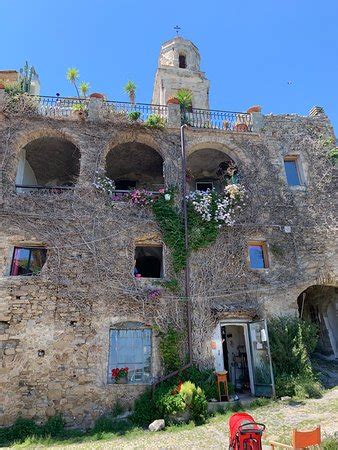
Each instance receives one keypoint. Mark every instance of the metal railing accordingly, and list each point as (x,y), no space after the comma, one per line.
(59,106)
(141,111)
(26,188)
(218,120)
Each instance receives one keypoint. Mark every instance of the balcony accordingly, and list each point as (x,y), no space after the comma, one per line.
(153,116)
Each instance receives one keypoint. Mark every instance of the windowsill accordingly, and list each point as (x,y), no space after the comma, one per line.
(129,384)
(265,269)
(300,187)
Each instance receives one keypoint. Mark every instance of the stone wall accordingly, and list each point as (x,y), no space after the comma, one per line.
(87,284)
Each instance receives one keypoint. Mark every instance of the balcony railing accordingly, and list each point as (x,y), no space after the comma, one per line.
(144,110)
(26,188)
(58,106)
(218,120)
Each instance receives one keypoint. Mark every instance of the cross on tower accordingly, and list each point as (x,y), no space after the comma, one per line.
(177,29)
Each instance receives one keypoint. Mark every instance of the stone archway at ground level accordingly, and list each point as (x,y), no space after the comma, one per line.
(319,304)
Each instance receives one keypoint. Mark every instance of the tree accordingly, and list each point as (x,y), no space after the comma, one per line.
(130,89)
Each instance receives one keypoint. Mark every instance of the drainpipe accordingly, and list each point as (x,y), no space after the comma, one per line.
(186,241)
(187,267)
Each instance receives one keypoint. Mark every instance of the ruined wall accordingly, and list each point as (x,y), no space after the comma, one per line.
(87,285)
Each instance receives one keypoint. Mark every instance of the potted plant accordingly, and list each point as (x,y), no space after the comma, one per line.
(134,115)
(2,86)
(120,375)
(79,109)
(254,109)
(97,95)
(173,101)
(184,97)
(130,89)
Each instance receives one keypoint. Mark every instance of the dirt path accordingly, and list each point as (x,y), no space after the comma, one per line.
(279,418)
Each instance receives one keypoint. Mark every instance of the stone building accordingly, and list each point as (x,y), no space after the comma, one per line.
(85,278)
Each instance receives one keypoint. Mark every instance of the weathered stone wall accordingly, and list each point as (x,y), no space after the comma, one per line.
(87,284)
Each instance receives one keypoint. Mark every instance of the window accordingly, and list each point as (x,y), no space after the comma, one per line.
(148,262)
(204,185)
(258,254)
(291,165)
(131,347)
(182,63)
(28,260)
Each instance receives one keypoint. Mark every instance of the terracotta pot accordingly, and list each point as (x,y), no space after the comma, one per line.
(79,114)
(241,127)
(2,86)
(254,109)
(172,101)
(122,380)
(97,95)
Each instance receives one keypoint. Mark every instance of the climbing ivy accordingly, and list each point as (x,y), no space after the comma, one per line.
(169,218)
(201,233)
(170,344)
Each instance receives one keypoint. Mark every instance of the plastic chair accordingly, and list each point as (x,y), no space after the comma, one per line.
(302,440)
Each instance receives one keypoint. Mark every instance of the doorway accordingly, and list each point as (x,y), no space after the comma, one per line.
(242,349)
(235,357)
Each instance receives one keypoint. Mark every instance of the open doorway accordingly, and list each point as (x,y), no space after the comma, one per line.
(235,357)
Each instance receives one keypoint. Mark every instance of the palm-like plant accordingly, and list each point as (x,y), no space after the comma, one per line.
(73,77)
(184,96)
(130,89)
(84,87)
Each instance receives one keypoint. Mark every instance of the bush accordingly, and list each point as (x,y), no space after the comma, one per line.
(103,424)
(155,121)
(55,426)
(145,410)
(134,115)
(292,342)
(203,378)
(185,396)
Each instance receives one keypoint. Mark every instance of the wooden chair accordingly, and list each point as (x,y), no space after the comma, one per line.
(302,440)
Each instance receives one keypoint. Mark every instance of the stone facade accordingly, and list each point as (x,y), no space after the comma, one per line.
(55,326)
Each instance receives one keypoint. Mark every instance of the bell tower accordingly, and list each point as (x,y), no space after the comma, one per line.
(179,68)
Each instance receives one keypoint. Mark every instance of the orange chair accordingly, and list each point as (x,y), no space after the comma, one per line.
(222,381)
(302,440)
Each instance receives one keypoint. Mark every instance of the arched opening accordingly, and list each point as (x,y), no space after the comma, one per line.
(209,168)
(48,162)
(135,165)
(319,304)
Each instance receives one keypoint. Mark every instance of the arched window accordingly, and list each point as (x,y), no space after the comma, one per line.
(182,63)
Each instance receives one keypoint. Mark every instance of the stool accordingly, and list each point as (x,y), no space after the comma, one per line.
(222,380)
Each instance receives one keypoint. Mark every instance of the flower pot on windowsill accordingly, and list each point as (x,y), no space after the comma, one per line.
(2,86)
(122,380)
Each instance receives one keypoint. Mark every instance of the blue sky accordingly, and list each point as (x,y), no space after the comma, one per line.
(281,54)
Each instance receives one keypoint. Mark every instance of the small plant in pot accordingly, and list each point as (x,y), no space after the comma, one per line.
(120,375)
(173,101)
(134,115)
(79,109)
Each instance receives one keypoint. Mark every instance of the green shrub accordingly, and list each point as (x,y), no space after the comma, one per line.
(55,426)
(155,121)
(134,115)
(145,410)
(203,378)
(103,424)
(330,443)
(292,342)
(199,407)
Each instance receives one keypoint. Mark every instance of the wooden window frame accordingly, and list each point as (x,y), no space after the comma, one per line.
(265,252)
(30,248)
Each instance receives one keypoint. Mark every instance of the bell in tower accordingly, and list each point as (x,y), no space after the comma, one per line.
(179,68)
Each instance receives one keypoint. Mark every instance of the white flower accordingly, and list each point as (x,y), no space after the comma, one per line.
(167,197)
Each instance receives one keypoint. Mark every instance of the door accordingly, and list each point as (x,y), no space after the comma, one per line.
(217,349)
(261,359)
